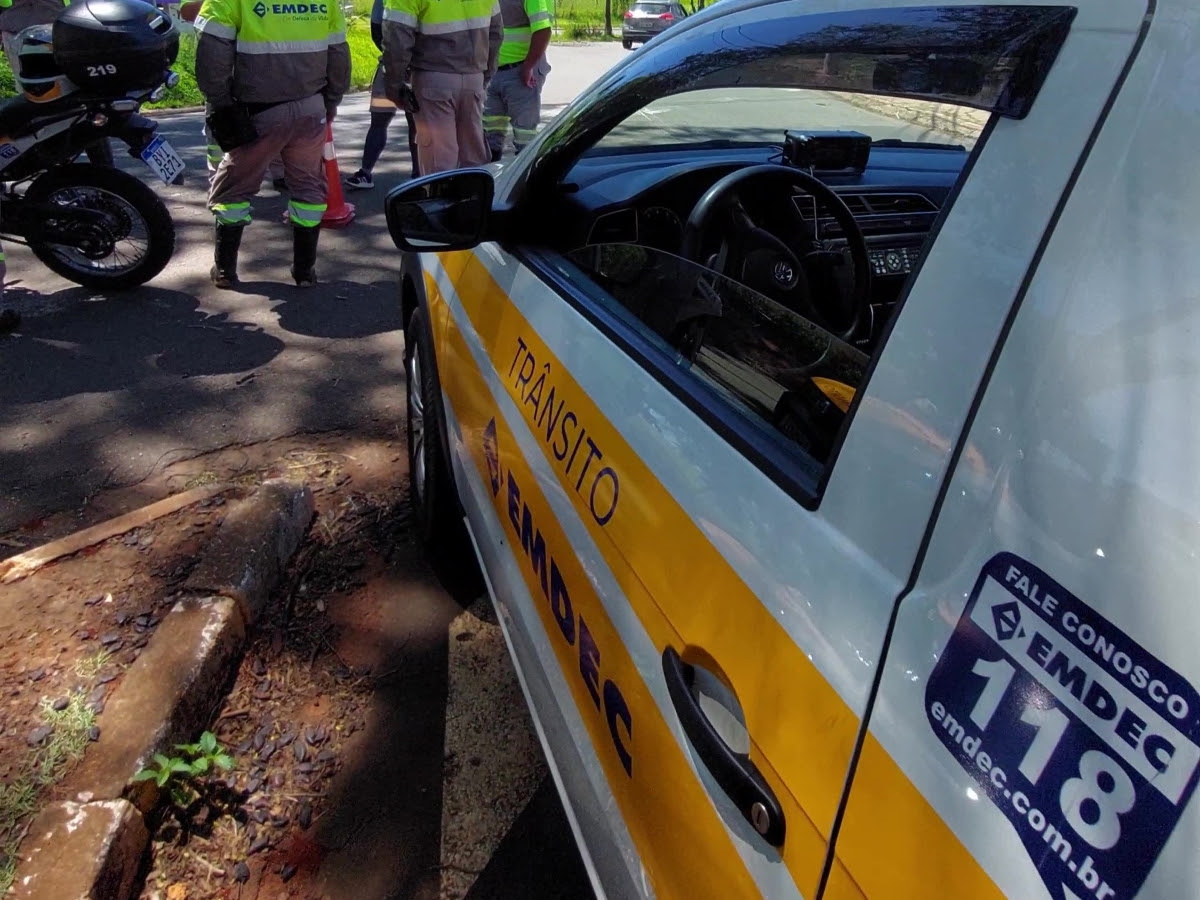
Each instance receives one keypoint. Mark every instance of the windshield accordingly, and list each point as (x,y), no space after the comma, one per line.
(750,115)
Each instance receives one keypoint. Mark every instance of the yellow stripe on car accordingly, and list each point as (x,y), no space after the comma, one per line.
(687,595)
(666,809)
(682,589)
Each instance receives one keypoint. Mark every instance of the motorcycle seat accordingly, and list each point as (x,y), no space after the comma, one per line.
(20,116)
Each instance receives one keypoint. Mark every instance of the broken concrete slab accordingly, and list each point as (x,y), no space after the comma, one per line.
(166,697)
(82,851)
(253,545)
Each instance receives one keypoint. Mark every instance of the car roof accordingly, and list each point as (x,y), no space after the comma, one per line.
(1186,13)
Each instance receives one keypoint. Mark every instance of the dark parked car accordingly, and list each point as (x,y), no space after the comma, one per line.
(646,18)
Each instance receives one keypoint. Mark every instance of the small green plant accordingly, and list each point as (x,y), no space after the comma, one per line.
(92,665)
(181,775)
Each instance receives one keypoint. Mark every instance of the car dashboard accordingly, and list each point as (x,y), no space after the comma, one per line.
(645,198)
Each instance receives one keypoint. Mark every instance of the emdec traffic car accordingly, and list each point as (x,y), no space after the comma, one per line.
(818,393)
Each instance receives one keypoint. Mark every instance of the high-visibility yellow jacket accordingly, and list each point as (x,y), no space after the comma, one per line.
(267,51)
(521,19)
(461,37)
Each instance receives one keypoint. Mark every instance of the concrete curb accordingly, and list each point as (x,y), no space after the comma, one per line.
(961,122)
(166,697)
(82,851)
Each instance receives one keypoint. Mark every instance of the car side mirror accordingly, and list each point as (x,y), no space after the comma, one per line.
(446,211)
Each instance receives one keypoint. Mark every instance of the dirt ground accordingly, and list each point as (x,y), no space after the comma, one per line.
(381,745)
(299,697)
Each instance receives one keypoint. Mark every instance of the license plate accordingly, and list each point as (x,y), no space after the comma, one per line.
(162,160)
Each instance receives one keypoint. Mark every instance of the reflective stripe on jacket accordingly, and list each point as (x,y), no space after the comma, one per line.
(264,51)
(521,19)
(458,37)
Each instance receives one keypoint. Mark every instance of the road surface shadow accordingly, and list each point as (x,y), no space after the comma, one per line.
(89,345)
(537,858)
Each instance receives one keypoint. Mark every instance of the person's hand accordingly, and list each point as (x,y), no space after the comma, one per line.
(407,100)
(529,74)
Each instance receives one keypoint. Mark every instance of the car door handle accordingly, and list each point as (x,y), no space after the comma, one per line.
(734,772)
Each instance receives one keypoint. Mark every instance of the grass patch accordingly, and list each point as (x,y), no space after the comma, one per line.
(70,729)
(68,739)
(363,58)
(91,666)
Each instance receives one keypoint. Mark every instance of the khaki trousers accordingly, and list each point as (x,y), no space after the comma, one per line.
(450,121)
(293,131)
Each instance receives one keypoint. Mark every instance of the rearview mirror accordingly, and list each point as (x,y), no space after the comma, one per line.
(446,211)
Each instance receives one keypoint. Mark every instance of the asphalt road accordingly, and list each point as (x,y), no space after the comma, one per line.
(103,391)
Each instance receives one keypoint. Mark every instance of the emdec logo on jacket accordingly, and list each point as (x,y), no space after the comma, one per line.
(261,9)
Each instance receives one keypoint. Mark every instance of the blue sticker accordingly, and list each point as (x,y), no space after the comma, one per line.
(9,151)
(1081,737)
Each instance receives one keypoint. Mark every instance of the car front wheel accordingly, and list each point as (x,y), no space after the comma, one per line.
(431,485)
(627,44)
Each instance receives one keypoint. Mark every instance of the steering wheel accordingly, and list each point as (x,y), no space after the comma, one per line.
(760,260)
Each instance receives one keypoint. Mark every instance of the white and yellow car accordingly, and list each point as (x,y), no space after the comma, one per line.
(819,396)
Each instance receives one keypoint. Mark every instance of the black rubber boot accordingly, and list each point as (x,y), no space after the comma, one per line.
(225,257)
(304,254)
(496,154)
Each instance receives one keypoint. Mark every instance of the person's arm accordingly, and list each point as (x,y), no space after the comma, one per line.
(216,50)
(377,24)
(400,20)
(188,11)
(495,38)
(538,12)
(337,61)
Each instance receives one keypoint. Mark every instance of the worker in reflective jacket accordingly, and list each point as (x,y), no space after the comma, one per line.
(452,48)
(515,92)
(272,74)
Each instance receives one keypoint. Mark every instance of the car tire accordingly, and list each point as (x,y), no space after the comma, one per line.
(628,45)
(432,493)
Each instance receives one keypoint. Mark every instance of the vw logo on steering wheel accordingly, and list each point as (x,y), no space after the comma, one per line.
(784,274)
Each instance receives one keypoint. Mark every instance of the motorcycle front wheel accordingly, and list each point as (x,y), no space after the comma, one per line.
(134,243)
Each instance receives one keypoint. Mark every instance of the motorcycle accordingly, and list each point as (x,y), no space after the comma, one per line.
(83,82)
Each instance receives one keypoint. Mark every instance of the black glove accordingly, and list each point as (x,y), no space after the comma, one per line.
(377,34)
(408,100)
(231,126)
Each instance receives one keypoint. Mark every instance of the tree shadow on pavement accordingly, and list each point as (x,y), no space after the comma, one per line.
(89,346)
(356,310)
(555,872)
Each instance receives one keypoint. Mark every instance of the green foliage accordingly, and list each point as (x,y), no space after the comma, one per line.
(180,775)
(583,20)
(364,55)
(186,94)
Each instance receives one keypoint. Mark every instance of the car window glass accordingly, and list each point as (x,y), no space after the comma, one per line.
(777,369)
(812,158)
(759,115)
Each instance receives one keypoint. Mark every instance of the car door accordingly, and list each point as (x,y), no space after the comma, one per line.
(636,538)
(1016,746)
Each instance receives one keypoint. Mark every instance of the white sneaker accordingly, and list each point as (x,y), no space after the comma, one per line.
(360,180)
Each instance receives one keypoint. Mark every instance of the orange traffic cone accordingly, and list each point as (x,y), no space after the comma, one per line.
(338,213)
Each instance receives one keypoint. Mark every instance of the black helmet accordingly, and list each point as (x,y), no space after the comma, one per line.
(115,45)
